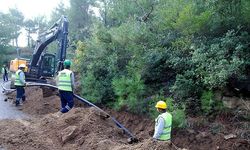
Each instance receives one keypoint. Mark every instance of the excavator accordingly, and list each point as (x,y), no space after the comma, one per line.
(43,65)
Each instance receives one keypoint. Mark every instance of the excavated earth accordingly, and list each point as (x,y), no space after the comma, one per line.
(86,128)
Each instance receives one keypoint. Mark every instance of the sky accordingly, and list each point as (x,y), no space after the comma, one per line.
(31,9)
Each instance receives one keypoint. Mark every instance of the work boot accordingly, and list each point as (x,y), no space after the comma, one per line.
(23,98)
(17,103)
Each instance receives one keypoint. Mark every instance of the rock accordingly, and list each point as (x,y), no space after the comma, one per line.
(230,136)
(102,115)
(132,140)
(234,102)
(80,141)
(201,135)
(230,102)
(69,133)
(191,131)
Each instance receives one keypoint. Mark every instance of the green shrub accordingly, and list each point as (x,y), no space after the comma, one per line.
(207,101)
(185,86)
(179,118)
(129,92)
(91,89)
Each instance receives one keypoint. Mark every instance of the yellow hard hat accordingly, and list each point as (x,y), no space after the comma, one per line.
(161,104)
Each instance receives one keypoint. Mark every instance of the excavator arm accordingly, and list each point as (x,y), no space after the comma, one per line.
(41,62)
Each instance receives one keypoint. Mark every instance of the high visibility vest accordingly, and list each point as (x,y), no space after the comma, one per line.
(166,134)
(3,71)
(17,78)
(64,80)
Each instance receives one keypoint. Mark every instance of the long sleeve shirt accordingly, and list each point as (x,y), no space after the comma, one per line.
(22,77)
(159,126)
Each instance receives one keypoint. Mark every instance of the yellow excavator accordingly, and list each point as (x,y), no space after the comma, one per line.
(43,65)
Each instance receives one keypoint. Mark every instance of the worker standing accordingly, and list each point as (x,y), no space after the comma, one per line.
(65,83)
(163,123)
(5,73)
(20,84)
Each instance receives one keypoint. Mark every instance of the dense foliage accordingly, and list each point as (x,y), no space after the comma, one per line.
(139,49)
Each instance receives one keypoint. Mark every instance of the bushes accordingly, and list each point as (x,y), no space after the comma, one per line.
(179,118)
(209,104)
(179,50)
(129,92)
(207,100)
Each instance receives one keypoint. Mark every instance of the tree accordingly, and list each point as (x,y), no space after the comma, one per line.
(6,29)
(31,27)
(58,12)
(141,48)
(16,21)
(80,16)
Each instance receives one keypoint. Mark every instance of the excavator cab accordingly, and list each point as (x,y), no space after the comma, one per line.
(48,65)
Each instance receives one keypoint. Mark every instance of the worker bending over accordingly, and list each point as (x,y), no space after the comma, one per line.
(163,123)
(65,83)
(20,84)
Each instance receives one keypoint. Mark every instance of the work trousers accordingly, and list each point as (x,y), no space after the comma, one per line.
(5,77)
(67,101)
(20,94)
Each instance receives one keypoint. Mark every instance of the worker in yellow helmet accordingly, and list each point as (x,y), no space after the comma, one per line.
(163,123)
(20,84)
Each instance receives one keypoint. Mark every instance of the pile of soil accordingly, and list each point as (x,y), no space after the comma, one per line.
(80,128)
(85,128)
(38,101)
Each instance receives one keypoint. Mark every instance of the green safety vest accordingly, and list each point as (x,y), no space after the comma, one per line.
(17,78)
(2,70)
(166,134)
(64,80)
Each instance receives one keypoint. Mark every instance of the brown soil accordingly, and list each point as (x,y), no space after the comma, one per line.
(84,128)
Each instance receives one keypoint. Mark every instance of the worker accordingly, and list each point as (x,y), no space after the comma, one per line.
(20,84)
(65,84)
(5,73)
(163,123)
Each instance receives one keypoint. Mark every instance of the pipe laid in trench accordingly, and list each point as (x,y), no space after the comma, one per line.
(132,137)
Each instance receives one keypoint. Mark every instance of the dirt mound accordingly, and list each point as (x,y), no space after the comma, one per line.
(22,135)
(38,104)
(81,128)
(37,101)
(84,128)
